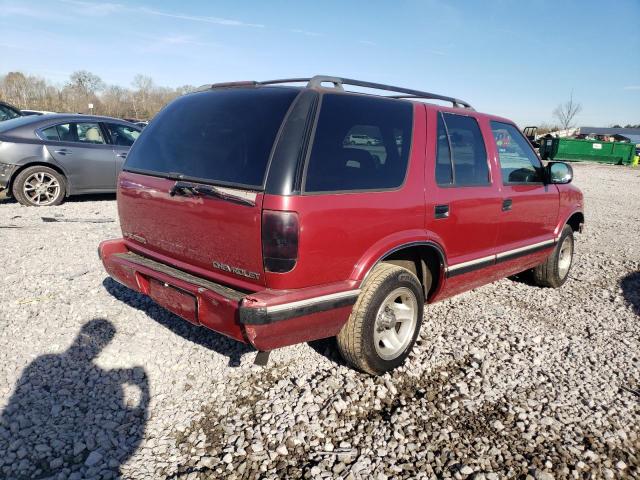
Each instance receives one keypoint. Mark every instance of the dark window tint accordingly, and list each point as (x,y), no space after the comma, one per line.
(468,152)
(518,162)
(50,133)
(361,143)
(222,136)
(122,135)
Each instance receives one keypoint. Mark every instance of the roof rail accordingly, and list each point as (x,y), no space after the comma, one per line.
(339,82)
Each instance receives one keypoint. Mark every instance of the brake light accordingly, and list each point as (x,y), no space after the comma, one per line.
(280,231)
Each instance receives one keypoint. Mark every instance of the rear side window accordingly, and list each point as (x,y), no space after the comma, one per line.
(361,143)
(74,132)
(518,162)
(50,133)
(460,138)
(221,136)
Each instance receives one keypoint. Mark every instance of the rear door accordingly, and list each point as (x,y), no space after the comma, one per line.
(220,141)
(81,148)
(529,207)
(463,202)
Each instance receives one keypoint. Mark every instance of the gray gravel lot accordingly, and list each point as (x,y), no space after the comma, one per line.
(509,380)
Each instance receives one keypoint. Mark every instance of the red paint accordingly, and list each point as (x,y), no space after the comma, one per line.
(342,236)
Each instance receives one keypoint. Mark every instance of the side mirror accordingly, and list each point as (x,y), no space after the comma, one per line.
(559,172)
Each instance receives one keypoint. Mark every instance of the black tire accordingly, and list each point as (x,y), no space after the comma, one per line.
(356,339)
(50,196)
(549,273)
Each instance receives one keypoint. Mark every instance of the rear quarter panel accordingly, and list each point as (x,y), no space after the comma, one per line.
(341,234)
(22,153)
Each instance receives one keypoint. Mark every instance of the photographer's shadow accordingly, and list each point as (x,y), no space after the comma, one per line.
(193,333)
(630,286)
(68,416)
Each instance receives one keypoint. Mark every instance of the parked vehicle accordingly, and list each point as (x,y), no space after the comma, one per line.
(36,112)
(530,133)
(45,158)
(360,139)
(244,210)
(8,111)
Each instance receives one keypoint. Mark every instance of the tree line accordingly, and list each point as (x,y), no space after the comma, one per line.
(142,101)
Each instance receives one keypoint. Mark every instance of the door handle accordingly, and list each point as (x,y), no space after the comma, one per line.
(441,211)
(63,152)
(121,155)
(506,204)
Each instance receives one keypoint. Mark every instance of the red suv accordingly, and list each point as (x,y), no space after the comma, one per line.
(245,208)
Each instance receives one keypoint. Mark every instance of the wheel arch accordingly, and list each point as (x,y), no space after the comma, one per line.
(425,258)
(36,163)
(576,221)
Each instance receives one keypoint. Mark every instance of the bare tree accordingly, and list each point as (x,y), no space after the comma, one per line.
(566,112)
(143,101)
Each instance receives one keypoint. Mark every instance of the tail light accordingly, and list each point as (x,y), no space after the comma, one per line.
(280,231)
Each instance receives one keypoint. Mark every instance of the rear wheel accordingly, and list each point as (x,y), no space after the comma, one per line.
(385,320)
(555,270)
(39,186)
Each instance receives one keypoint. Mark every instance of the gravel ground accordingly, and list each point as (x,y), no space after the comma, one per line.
(509,380)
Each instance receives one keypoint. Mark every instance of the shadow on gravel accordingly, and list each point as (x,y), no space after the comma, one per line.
(328,348)
(199,335)
(94,197)
(631,290)
(70,418)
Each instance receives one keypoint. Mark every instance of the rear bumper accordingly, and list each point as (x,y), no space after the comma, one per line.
(6,171)
(267,319)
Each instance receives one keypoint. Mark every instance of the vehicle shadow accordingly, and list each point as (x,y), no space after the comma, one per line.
(70,417)
(328,348)
(93,197)
(193,333)
(630,285)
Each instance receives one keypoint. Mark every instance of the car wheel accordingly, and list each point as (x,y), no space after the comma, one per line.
(385,320)
(39,186)
(555,270)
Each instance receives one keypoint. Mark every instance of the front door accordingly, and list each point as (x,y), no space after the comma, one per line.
(122,137)
(529,206)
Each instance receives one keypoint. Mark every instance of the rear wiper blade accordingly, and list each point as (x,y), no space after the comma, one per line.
(188,188)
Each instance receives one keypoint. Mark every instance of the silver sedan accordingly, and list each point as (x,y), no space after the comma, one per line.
(45,158)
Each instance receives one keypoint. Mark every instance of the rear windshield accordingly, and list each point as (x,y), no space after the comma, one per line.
(217,136)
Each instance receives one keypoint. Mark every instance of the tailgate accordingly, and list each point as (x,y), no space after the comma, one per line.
(213,237)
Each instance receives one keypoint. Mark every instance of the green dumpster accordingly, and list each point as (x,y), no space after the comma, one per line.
(594,150)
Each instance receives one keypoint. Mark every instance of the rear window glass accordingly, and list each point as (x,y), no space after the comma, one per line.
(219,136)
(361,143)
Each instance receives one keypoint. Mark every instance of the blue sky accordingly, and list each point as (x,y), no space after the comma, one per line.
(513,58)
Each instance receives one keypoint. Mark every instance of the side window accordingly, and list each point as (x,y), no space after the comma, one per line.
(122,135)
(361,143)
(89,133)
(50,133)
(518,162)
(468,154)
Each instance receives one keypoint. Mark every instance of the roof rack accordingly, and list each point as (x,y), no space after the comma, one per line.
(339,82)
